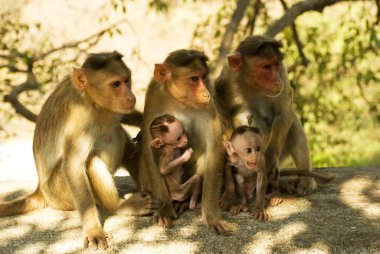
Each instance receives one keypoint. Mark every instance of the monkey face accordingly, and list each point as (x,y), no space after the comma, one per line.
(176,135)
(114,93)
(248,147)
(190,87)
(264,74)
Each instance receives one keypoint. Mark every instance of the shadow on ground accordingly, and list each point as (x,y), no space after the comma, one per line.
(341,216)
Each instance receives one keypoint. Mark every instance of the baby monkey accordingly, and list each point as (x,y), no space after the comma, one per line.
(245,152)
(169,142)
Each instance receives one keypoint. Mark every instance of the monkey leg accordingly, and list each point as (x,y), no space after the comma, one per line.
(228,197)
(299,151)
(180,192)
(212,179)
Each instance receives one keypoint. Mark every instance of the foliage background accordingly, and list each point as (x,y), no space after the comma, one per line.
(332,57)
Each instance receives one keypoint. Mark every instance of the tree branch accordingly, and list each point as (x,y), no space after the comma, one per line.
(30,84)
(252,20)
(96,37)
(299,45)
(296,10)
(231,30)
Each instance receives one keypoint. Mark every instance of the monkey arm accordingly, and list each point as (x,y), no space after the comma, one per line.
(283,120)
(167,165)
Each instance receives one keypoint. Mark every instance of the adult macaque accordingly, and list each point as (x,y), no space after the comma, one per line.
(244,151)
(257,80)
(170,140)
(181,88)
(79,143)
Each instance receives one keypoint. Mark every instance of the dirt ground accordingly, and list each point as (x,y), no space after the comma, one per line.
(340,217)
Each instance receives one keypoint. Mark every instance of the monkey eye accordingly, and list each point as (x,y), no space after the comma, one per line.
(258,148)
(116,84)
(248,150)
(267,66)
(127,80)
(194,79)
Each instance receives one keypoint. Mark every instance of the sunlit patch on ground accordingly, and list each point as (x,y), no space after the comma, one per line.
(363,194)
(265,241)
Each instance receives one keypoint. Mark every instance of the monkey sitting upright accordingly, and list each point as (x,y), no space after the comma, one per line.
(169,140)
(245,152)
(79,143)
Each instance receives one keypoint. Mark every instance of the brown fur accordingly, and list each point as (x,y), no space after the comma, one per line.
(267,95)
(79,143)
(192,102)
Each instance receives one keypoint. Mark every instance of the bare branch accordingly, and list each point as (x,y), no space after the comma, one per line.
(252,20)
(299,45)
(231,30)
(96,37)
(30,84)
(296,10)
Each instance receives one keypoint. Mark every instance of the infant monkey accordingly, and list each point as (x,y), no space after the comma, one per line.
(245,152)
(169,141)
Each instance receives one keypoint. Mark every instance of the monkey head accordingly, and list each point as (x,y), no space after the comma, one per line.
(258,63)
(168,131)
(106,81)
(245,147)
(185,75)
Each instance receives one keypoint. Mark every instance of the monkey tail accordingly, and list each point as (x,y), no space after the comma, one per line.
(324,177)
(23,205)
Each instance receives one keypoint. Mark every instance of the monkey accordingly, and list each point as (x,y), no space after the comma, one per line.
(181,88)
(245,152)
(169,140)
(79,143)
(256,79)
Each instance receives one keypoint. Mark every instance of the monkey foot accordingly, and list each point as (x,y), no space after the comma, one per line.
(236,209)
(140,204)
(306,186)
(96,238)
(165,215)
(274,201)
(220,226)
(260,214)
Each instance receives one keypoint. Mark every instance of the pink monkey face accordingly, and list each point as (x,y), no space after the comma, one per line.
(176,135)
(248,146)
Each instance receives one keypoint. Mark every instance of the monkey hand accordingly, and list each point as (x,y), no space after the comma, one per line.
(237,208)
(95,237)
(259,213)
(306,186)
(227,199)
(165,215)
(140,204)
(220,226)
(187,154)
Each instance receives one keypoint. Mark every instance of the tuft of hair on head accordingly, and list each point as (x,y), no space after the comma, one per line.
(261,46)
(98,61)
(160,124)
(243,129)
(184,57)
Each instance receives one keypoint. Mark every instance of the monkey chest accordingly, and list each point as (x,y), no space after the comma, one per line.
(262,114)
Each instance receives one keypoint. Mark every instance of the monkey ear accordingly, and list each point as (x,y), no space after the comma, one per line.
(229,148)
(156,143)
(235,61)
(161,72)
(79,79)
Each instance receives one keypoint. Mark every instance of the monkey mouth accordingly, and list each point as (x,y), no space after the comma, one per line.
(251,165)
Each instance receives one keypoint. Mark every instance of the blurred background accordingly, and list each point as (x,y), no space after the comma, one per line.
(332,50)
